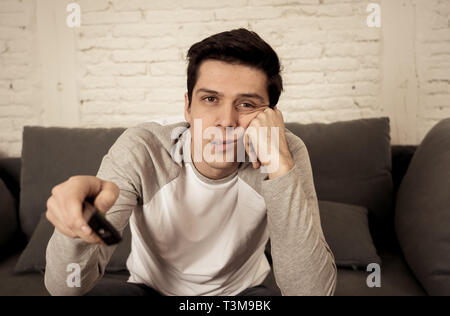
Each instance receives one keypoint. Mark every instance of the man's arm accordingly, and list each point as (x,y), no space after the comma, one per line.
(117,166)
(302,260)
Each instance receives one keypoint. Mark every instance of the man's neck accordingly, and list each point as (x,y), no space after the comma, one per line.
(214,173)
(211,172)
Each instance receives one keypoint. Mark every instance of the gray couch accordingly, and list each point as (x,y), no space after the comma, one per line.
(354,166)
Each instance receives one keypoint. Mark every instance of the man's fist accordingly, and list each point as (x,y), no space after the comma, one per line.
(65,205)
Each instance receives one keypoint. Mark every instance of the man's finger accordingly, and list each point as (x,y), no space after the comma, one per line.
(250,151)
(107,196)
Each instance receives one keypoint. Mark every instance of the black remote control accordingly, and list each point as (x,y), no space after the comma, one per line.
(99,224)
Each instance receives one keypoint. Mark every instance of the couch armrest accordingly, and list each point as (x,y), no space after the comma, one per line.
(12,238)
(401,157)
(10,173)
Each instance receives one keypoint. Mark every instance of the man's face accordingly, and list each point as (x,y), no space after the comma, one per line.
(225,95)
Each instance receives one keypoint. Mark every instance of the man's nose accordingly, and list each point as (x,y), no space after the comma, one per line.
(228,116)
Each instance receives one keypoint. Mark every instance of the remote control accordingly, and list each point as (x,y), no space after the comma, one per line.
(100,225)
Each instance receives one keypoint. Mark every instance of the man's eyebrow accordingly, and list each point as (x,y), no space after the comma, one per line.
(207,91)
(252,96)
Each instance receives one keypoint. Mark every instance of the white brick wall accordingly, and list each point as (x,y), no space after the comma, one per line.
(433,62)
(130,60)
(17,74)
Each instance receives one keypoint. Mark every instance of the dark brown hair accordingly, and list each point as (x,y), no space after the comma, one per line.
(238,46)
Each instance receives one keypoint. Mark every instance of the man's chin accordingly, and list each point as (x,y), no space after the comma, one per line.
(223,165)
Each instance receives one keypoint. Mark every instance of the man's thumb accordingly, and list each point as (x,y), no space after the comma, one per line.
(107,196)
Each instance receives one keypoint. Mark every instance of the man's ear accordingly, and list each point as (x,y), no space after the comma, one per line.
(187,110)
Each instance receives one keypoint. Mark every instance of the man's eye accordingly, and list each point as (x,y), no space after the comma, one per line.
(246,105)
(210,99)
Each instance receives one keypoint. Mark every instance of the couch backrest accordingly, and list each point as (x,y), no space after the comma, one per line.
(351,164)
(51,156)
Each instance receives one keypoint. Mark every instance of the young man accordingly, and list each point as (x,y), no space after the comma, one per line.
(199,224)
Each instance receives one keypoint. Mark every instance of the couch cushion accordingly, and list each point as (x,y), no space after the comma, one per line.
(52,155)
(396,279)
(32,284)
(8,215)
(423,211)
(346,230)
(351,163)
(32,258)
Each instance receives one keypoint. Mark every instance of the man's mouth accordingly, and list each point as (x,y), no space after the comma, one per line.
(223,146)
(219,142)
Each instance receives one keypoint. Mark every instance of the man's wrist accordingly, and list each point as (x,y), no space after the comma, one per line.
(284,167)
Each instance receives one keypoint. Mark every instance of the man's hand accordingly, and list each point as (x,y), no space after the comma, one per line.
(64,207)
(268,146)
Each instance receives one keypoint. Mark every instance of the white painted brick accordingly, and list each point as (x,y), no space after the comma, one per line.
(439,74)
(178,16)
(112,95)
(308,51)
(303,78)
(436,113)
(91,82)
(306,37)
(149,82)
(14,19)
(110,17)
(133,5)
(13,59)
(93,5)
(10,137)
(110,69)
(165,94)
(335,10)
(110,43)
(20,84)
(88,31)
(257,13)
(13,72)
(11,33)
(20,45)
(333,64)
(8,6)
(358,76)
(95,56)
(207,4)
(438,101)
(145,55)
(4,85)
(352,49)
(436,87)
(439,22)
(369,61)
(5,98)
(16,111)
(337,23)
(167,68)
(285,25)
(99,107)
(275,3)
(147,30)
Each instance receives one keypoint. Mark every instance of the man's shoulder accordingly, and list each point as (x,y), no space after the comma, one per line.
(153,133)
